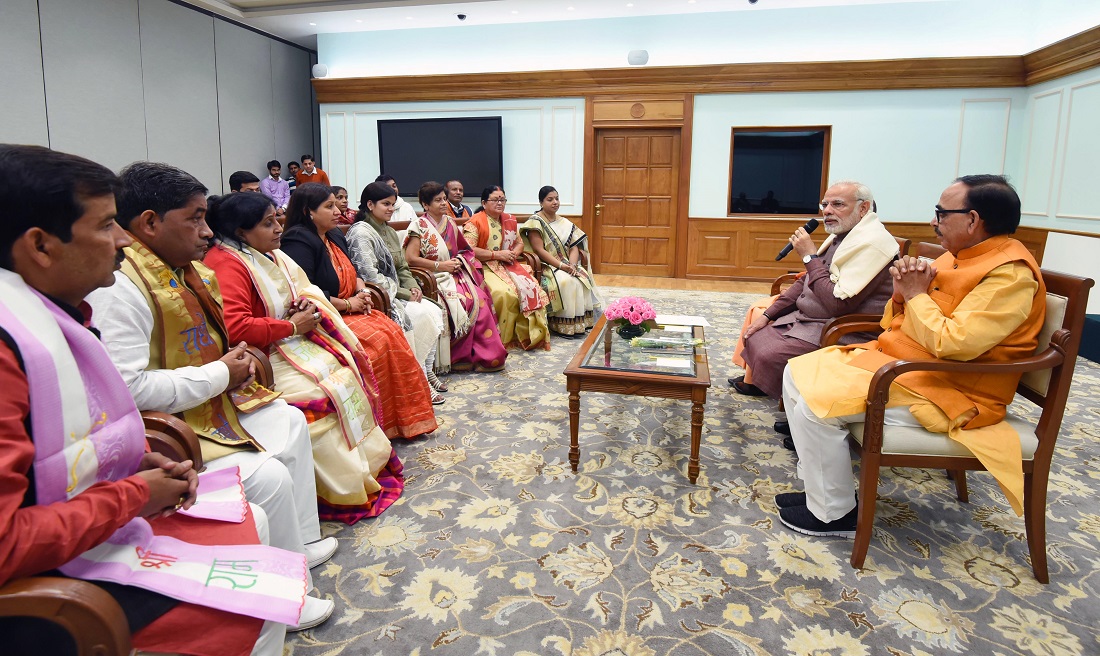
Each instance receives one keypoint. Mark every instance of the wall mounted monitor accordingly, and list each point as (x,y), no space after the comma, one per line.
(415,151)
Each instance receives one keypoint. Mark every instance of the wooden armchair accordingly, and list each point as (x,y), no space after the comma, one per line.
(787,279)
(85,611)
(1047,376)
(379,298)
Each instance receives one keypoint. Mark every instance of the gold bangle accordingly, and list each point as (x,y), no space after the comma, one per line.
(293,329)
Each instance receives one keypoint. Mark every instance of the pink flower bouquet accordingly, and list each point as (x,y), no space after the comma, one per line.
(634,315)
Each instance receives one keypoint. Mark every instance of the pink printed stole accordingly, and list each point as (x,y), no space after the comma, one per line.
(78,444)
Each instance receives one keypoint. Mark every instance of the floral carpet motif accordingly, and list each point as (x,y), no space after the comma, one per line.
(497,548)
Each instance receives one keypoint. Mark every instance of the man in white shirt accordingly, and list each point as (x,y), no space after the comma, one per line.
(402,210)
(163,209)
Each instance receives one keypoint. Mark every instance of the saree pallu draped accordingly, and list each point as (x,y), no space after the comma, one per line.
(376,252)
(473,337)
(574,301)
(327,375)
(405,399)
(188,331)
(518,299)
(86,429)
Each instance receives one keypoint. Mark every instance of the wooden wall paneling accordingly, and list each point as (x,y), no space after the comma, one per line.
(745,249)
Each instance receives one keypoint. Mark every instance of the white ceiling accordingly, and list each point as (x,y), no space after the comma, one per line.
(301,20)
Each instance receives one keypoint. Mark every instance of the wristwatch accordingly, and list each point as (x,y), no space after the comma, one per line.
(806,258)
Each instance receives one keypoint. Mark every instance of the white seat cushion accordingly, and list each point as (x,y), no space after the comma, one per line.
(906,440)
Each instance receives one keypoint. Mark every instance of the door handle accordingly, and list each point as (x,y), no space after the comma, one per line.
(598,208)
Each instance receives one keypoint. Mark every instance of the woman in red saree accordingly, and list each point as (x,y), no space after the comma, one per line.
(317,245)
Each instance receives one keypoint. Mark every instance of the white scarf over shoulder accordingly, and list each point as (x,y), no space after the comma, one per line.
(865,250)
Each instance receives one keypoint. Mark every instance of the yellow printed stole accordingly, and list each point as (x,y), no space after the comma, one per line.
(188,332)
(348,392)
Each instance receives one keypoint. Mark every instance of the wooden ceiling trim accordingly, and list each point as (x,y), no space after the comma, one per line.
(1077,53)
(929,73)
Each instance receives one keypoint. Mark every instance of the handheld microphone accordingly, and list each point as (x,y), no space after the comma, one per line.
(810,226)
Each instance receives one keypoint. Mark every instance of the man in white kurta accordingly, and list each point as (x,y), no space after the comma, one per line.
(279,479)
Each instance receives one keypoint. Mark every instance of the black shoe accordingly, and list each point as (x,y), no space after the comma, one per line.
(790,500)
(783,428)
(799,518)
(788,444)
(748,389)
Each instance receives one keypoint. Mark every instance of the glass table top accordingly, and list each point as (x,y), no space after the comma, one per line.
(670,350)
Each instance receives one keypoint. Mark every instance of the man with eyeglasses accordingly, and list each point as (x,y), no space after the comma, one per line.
(846,274)
(982,301)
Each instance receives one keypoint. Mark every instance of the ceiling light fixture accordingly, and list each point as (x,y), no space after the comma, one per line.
(313,24)
(358,20)
(630,4)
(515,11)
(569,8)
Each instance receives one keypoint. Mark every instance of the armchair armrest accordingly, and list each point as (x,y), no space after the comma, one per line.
(170,436)
(850,323)
(785,279)
(534,262)
(878,392)
(86,612)
(264,375)
(426,280)
(379,298)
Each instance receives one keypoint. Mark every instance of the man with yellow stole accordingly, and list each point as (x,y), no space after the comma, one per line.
(162,324)
(982,301)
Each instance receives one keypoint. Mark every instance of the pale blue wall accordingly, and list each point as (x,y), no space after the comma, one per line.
(905,145)
(543,143)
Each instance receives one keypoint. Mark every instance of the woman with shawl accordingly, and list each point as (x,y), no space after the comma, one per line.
(563,249)
(376,251)
(434,242)
(319,365)
(518,299)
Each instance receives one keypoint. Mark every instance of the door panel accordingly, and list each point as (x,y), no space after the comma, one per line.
(636,186)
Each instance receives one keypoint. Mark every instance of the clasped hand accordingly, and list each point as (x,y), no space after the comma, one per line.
(172,485)
(912,276)
(304,315)
(241,364)
(360,302)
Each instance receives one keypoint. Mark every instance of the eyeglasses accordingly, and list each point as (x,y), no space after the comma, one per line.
(941,213)
(497,200)
(837,204)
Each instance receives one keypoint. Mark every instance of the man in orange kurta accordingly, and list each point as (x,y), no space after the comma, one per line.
(983,301)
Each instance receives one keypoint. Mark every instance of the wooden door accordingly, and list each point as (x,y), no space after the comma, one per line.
(637,174)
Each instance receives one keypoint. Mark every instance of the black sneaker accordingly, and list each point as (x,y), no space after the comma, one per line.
(790,499)
(788,444)
(799,518)
(782,427)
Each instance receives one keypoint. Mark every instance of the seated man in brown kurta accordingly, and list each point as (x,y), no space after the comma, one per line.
(847,274)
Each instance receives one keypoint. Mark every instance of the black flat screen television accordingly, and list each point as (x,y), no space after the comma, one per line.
(416,150)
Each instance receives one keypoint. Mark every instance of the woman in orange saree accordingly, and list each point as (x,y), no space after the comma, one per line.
(317,245)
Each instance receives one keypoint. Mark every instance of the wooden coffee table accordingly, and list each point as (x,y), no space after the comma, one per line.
(607,363)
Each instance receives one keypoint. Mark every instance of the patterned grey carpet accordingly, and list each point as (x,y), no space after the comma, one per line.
(497,548)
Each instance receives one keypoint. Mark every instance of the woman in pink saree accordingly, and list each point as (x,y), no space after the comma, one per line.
(435,243)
